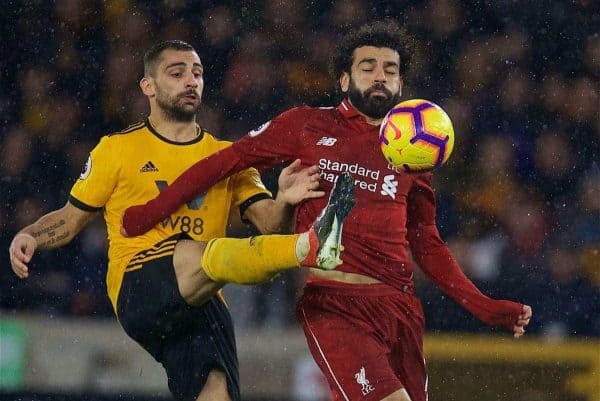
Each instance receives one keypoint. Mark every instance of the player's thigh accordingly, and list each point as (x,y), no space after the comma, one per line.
(194,285)
(149,295)
(215,387)
(407,349)
(353,359)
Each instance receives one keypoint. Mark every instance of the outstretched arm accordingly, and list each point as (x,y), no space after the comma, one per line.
(441,268)
(296,184)
(435,259)
(195,180)
(52,230)
(275,142)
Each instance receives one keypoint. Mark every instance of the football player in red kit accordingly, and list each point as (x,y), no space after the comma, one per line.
(362,321)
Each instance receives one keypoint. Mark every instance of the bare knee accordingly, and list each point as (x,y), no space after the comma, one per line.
(400,395)
(215,387)
(194,285)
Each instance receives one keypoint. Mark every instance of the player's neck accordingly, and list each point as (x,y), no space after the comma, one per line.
(176,131)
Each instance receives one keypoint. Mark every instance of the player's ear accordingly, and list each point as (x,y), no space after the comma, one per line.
(147,86)
(344,82)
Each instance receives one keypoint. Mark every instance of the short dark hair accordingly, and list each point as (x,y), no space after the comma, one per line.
(152,55)
(384,33)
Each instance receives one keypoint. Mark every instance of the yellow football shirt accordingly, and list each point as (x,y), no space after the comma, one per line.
(131,167)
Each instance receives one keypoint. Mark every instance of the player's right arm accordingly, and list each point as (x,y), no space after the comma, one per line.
(52,230)
(88,195)
(275,142)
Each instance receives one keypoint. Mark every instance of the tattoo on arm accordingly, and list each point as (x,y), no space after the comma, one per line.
(54,240)
(52,235)
(50,230)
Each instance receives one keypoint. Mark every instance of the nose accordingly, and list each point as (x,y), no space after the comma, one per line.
(191,81)
(380,74)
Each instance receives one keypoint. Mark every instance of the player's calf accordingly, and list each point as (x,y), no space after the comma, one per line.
(215,387)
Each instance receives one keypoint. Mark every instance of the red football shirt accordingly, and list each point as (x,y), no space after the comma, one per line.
(394,210)
(338,140)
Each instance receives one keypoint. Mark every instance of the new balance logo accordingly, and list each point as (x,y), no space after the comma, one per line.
(389,186)
(361,378)
(326,141)
(149,167)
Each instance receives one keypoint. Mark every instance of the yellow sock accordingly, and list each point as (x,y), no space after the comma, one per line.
(249,260)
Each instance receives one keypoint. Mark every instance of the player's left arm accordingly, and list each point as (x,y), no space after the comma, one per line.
(296,184)
(437,262)
(272,143)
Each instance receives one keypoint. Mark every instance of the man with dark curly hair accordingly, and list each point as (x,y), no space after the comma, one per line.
(362,321)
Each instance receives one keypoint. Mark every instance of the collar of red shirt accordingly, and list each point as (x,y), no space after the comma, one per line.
(348,110)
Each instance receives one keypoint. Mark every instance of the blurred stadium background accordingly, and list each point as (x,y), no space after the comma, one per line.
(519,201)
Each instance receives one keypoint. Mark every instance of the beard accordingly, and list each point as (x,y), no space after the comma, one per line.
(174,108)
(372,106)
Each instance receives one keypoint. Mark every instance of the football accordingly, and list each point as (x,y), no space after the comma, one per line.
(416,136)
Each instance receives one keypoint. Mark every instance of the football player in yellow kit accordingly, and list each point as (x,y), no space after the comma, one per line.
(164,285)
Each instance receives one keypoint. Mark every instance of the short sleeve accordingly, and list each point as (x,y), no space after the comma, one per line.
(248,188)
(98,178)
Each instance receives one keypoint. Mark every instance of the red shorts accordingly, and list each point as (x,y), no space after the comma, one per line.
(367,339)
